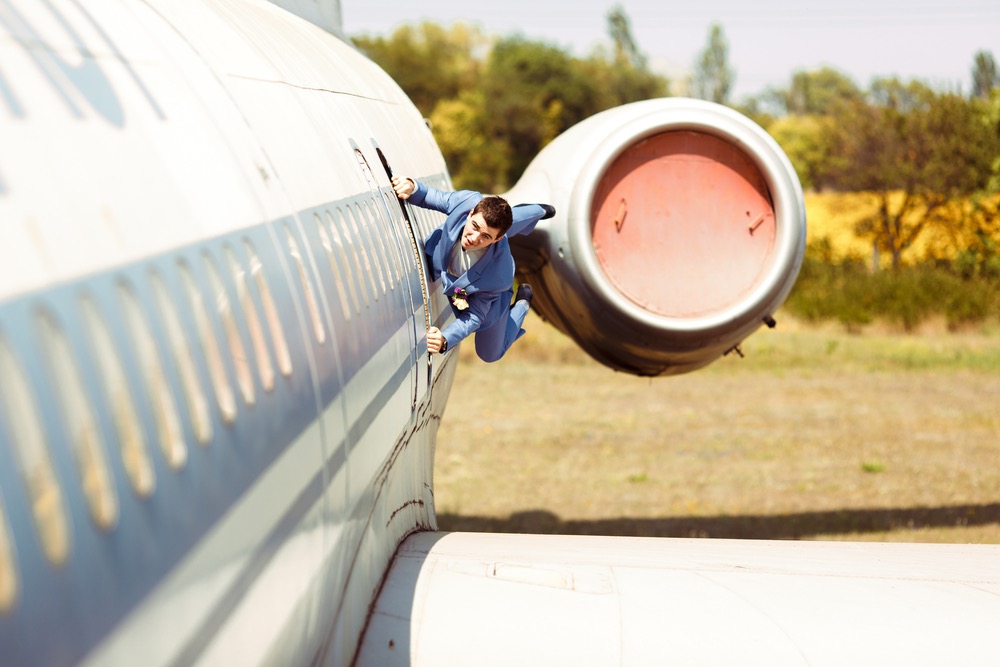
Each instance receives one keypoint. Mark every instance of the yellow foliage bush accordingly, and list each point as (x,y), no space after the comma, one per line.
(833,216)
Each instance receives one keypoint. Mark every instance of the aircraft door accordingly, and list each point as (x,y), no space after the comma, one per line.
(410,245)
(389,233)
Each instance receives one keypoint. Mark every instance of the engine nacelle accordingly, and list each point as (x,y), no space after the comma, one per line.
(680,229)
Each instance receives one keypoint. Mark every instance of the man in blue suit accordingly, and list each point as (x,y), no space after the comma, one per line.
(469,252)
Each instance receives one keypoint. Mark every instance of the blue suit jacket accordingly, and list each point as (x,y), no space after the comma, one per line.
(489,282)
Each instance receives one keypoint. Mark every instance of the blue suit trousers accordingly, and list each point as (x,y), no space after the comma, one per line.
(492,343)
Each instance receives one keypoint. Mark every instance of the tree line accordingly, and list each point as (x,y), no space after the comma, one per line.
(926,157)
(494,103)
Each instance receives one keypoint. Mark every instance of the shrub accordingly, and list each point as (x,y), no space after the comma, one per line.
(849,293)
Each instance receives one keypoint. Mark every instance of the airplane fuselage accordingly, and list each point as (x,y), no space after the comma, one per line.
(212,334)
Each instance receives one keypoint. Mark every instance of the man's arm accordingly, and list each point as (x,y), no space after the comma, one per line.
(404,187)
(424,196)
(526,216)
(466,324)
(435,341)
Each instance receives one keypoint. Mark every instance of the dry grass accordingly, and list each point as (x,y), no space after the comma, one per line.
(816,434)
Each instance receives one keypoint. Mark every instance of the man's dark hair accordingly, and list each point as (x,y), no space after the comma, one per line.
(496,213)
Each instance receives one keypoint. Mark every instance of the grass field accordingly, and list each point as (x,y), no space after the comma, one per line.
(816,434)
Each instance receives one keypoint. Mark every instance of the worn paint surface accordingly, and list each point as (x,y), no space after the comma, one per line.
(712,227)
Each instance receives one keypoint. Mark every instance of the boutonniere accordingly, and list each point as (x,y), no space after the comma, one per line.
(460,299)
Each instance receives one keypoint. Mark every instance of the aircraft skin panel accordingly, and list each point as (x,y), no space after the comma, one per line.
(490,599)
(160,166)
(172,109)
(135,112)
(204,178)
(150,535)
(261,555)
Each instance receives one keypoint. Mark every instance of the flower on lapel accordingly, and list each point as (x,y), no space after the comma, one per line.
(460,299)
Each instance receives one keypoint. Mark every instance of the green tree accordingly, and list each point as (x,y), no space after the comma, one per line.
(985,76)
(534,91)
(429,62)
(614,85)
(620,31)
(799,117)
(492,110)
(901,96)
(624,76)
(981,224)
(713,77)
(818,92)
(477,160)
(914,151)
(991,119)
(806,141)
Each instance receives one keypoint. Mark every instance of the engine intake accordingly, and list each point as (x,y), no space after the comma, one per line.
(680,229)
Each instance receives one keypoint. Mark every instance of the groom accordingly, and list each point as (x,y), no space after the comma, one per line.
(470,253)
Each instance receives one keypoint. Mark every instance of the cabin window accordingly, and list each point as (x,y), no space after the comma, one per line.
(168,425)
(24,426)
(80,426)
(343,261)
(404,243)
(194,397)
(131,438)
(361,244)
(234,342)
(369,222)
(351,248)
(370,226)
(420,220)
(8,569)
(307,287)
(210,346)
(271,316)
(430,222)
(370,230)
(396,248)
(380,232)
(425,219)
(338,280)
(264,366)
(407,243)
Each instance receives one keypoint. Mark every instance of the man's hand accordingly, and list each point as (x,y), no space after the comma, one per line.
(434,340)
(404,187)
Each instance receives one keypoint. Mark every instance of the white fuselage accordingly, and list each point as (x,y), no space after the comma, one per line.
(220,412)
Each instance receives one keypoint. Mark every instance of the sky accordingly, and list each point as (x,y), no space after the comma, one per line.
(931,40)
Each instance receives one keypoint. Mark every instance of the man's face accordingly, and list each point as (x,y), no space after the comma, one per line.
(477,235)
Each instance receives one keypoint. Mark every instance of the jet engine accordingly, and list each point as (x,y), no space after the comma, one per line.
(679,230)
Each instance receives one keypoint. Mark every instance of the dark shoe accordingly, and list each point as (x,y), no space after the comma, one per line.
(523,293)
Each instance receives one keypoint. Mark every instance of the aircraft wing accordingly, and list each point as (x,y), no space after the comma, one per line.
(491,599)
